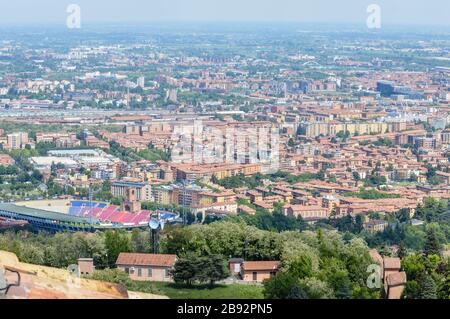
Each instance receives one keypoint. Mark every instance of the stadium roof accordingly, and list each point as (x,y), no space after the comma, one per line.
(91,152)
(39,213)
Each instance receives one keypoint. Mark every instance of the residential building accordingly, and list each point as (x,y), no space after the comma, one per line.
(258,271)
(147,267)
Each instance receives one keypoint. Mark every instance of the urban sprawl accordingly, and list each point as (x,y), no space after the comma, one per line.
(278,162)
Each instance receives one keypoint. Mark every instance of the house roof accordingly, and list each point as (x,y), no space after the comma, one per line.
(236,260)
(376,257)
(261,265)
(391,263)
(41,282)
(376,222)
(396,279)
(136,259)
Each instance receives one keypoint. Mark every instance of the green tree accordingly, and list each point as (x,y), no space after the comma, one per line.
(185,269)
(402,252)
(214,268)
(316,288)
(192,268)
(427,288)
(432,245)
(280,286)
(297,292)
(140,241)
(116,242)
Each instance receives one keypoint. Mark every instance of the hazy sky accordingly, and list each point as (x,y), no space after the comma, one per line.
(435,12)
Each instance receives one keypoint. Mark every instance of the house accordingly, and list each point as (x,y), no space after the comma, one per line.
(395,285)
(308,213)
(147,267)
(86,266)
(416,222)
(391,266)
(393,279)
(376,225)
(246,210)
(234,265)
(258,271)
(255,196)
(6,160)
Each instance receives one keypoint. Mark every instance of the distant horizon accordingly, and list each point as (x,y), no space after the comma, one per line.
(224,22)
(393,12)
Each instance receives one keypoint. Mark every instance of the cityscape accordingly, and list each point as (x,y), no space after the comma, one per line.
(215,160)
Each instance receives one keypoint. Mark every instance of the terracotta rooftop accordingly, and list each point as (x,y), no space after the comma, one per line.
(391,263)
(261,265)
(376,257)
(136,259)
(41,282)
(396,279)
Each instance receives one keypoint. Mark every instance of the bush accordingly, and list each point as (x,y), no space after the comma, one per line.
(115,276)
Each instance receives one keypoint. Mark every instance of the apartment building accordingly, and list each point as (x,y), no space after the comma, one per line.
(17,140)
(143,191)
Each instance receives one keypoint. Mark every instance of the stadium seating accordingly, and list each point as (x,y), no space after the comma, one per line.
(108,213)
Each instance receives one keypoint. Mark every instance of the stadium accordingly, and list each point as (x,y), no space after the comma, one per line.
(76,215)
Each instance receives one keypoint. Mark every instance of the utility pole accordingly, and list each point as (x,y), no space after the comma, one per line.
(184,203)
(90,202)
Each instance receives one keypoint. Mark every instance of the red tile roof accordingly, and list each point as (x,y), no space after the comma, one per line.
(146,259)
(376,257)
(396,279)
(392,263)
(261,265)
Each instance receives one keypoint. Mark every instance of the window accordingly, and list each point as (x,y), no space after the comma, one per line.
(255,276)
(150,272)
(140,272)
(166,273)
(127,270)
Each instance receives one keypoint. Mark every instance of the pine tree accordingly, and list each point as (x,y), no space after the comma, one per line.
(297,292)
(214,268)
(343,289)
(432,245)
(186,269)
(427,288)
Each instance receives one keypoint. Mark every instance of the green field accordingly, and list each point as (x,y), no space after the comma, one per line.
(174,291)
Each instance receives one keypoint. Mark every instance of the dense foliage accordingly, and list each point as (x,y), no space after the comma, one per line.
(63,249)
(191,268)
(322,263)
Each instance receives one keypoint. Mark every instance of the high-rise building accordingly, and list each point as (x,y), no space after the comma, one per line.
(172,96)
(141,82)
(17,140)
